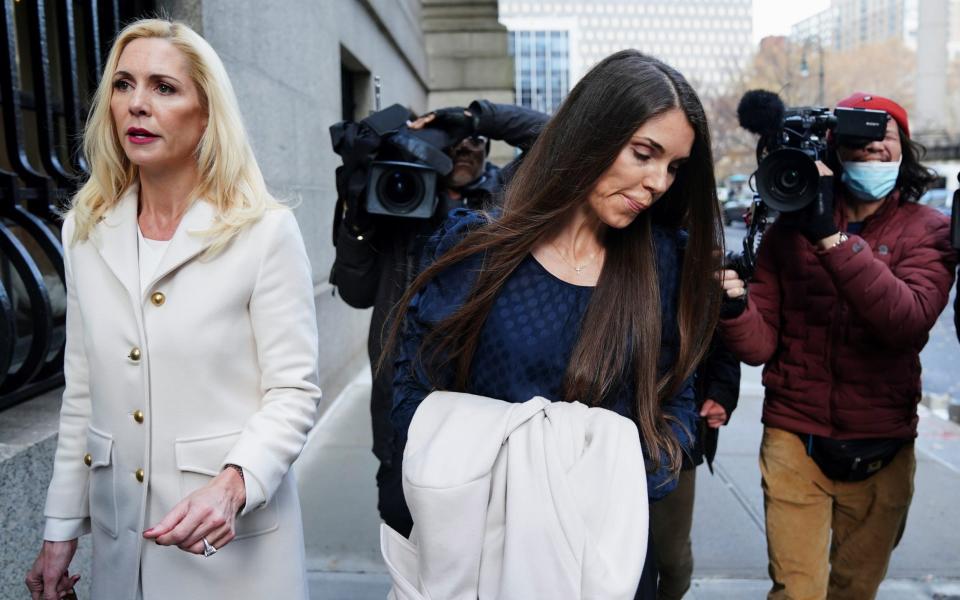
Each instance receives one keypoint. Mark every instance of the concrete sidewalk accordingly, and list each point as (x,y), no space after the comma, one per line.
(336,475)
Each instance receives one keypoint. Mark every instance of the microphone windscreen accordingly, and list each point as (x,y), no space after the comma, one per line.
(760,112)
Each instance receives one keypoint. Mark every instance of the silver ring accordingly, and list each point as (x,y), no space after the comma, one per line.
(208,549)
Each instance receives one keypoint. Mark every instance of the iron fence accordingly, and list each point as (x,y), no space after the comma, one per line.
(51,57)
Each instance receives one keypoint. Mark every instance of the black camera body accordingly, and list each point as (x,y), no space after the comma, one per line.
(401,189)
(791,142)
(787,174)
(389,170)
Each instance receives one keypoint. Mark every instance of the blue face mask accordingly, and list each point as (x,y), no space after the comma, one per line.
(870,181)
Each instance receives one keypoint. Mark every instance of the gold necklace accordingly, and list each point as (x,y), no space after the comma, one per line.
(578,268)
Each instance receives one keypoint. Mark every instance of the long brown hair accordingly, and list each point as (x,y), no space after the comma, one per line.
(620,335)
(914,178)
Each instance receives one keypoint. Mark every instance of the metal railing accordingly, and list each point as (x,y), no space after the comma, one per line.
(51,57)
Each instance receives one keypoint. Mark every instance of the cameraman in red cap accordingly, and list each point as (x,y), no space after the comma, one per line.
(838,309)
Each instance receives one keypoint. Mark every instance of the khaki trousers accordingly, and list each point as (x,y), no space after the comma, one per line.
(670,522)
(803,508)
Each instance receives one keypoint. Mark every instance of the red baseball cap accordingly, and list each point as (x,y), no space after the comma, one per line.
(872,102)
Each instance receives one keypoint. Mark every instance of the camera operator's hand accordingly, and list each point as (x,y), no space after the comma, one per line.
(355,218)
(815,221)
(734,300)
(457,121)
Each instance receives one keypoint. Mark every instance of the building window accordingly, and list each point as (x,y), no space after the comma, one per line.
(541,60)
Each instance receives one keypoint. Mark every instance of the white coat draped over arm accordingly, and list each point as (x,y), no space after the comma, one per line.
(519,501)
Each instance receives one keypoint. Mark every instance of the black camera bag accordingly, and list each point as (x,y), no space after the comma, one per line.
(851,460)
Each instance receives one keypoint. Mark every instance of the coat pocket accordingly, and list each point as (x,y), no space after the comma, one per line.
(103,485)
(199,460)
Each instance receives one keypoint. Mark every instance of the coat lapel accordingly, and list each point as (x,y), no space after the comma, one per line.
(115,238)
(187,242)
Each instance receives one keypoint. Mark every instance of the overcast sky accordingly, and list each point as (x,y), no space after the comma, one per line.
(774,17)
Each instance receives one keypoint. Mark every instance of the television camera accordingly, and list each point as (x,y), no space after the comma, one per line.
(388,169)
(791,142)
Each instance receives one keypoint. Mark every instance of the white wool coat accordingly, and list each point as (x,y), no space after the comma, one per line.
(214,363)
(519,501)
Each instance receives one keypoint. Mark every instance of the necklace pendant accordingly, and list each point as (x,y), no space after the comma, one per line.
(579,269)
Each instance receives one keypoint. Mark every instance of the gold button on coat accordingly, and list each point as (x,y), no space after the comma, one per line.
(158,298)
(139,475)
(87,459)
(134,354)
(138,416)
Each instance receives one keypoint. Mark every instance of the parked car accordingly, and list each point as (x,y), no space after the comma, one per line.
(735,210)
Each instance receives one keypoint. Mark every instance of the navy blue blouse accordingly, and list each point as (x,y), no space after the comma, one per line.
(527,339)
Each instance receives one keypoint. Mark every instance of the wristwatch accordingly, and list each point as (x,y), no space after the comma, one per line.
(841,238)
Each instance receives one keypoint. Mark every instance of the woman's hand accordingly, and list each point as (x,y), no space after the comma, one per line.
(48,578)
(714,413)
(210,512)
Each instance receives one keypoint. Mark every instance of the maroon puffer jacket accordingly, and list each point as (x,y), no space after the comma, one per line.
(841,330)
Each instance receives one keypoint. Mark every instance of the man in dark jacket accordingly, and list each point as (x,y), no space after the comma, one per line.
(838,310)
(375,263)
(671,519)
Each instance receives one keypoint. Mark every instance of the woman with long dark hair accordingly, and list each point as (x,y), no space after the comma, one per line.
(594,284)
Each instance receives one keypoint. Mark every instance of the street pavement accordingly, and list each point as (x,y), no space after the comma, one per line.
(336,477)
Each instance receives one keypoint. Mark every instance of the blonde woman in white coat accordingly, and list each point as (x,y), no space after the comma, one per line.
(191,345)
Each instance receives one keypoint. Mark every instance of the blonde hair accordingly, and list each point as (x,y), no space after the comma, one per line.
(229,176)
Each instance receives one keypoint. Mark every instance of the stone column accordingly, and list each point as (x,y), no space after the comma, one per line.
(931,108)
(467,57)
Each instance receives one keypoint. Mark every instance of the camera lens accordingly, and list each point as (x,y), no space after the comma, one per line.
(400,189)
(788,181)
